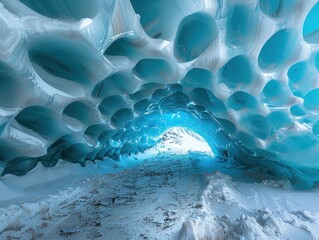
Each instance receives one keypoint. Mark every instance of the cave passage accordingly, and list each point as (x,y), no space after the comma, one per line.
(86,83)
(178,189)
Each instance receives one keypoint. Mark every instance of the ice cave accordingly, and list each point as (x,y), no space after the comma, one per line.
(159,119)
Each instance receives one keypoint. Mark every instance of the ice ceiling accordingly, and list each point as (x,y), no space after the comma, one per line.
(83,81)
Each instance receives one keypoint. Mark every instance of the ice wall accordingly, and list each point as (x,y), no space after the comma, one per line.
(81,81)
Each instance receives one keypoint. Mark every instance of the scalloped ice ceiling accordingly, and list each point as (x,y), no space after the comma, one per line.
(82,82)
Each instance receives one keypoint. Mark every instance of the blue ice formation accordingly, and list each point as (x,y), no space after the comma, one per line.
(83,81)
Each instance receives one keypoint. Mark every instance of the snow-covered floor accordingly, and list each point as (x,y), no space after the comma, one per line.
(156,195)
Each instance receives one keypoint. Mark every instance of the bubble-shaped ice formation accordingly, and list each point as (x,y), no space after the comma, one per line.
(83,81)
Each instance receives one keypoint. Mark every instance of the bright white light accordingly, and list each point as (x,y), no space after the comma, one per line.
(182,140)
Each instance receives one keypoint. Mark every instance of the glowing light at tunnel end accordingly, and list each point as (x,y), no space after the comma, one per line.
(179,140)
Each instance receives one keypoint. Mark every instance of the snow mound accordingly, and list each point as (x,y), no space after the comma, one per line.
(80,81)
(179,140)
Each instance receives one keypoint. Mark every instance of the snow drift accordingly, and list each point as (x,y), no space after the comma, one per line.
(80,81)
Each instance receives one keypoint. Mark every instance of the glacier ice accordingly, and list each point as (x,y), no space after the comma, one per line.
(81,82)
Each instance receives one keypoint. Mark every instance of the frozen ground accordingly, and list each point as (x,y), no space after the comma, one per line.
(166,193)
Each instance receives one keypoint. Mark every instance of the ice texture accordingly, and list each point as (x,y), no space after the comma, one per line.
(83,81)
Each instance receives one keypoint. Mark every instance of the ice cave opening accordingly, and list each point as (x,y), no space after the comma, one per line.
(179,140)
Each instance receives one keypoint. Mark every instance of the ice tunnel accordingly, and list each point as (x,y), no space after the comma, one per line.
(82,82)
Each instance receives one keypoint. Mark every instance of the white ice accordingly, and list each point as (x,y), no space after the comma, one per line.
(167,195)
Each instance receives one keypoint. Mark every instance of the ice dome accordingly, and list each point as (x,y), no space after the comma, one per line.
(81,82)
